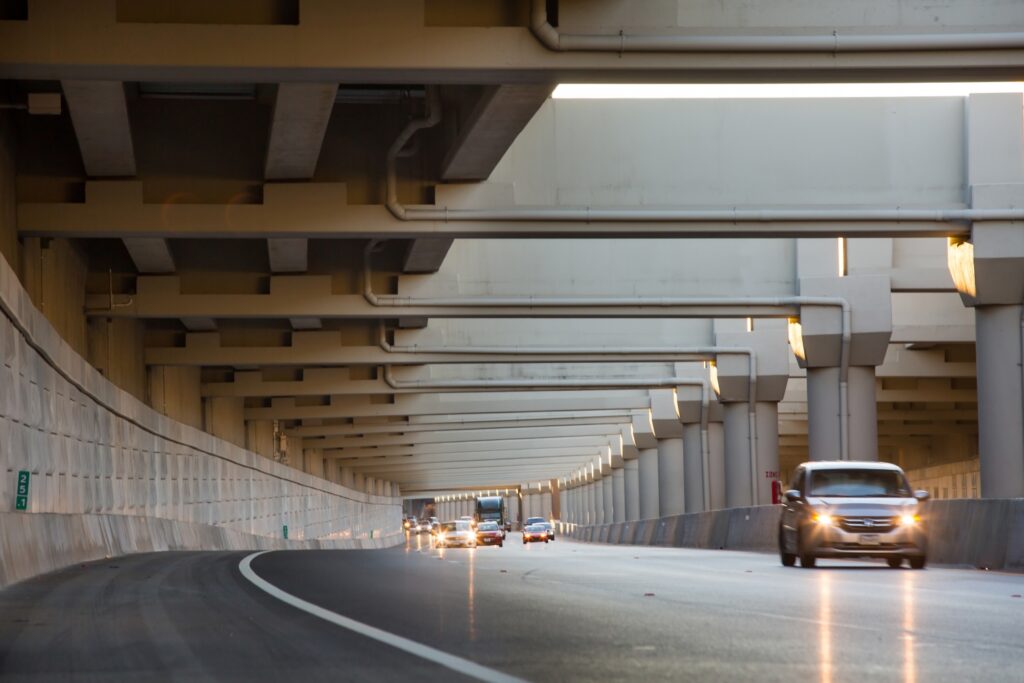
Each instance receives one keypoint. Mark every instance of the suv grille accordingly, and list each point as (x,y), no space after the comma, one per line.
(867,524)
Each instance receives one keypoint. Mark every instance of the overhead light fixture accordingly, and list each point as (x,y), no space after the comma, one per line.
(698,91)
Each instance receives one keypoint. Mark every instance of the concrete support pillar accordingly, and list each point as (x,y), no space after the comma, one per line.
(823,414)
(863,413)
(767,416)
(608,495)
(313,462)
(999,331)
(737,455)
(174,392)
(563,504)
(547,512)
(359,482)
(716,464)
(693,468)
(259,437)
(225,418)
(650,506)
(592,502)
(619,495)
(599,501)
(348,477)
(631,489)
(671,493)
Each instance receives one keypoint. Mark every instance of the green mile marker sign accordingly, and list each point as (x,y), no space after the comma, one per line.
(21,498)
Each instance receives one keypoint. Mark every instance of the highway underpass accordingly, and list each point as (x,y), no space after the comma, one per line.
(276,274)
(543,612)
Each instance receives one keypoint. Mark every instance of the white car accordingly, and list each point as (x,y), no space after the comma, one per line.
(456,534)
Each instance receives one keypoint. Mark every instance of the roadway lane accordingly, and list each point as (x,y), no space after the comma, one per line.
(562,611)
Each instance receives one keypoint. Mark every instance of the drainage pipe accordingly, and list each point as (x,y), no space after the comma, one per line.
(830,43)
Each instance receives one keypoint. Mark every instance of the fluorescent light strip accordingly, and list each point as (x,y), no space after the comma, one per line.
(653,91)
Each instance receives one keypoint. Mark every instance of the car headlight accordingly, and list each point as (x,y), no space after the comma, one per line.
(908,519)
(823,518)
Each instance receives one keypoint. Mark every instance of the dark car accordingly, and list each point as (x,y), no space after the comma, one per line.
(534,533)
(489,533)
(852,509)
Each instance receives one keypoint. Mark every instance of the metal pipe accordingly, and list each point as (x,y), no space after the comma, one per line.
(830,43)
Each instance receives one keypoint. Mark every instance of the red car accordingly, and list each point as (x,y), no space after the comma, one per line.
(488,533)
(535,533)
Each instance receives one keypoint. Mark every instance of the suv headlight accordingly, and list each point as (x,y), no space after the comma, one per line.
(823,518)
(909,519)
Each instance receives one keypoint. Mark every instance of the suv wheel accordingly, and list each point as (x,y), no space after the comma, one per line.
(917,562)
(807,560)
(787,559)
(894,562)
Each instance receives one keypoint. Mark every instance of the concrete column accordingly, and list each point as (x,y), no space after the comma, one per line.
(592,502)
(823,414)
(174,392)
(563,504)
(999,331)
(631,489)
(693,468)
(578,497)
(619,495)
(716,464)
(359,482)
(348,477)
(863,413)
(225,418)
(545,505)
(608,496)
(671,493)
(768,448)
(737,455)
(259,437)
(313,462)
(599,501)
(650,507)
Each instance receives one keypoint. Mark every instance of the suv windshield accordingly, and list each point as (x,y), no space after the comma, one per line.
(488,526)
(854,483)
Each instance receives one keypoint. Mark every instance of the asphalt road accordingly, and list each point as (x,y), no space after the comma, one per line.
(556,612)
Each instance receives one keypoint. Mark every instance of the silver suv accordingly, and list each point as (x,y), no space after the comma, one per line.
(852,509)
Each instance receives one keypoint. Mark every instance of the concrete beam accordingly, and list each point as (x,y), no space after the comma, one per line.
(445,436)
(431,404)
(99,114)
(492,126)
(301,114)
(464,422)
(402,49)
(150,254)
(288,255)
(426,254)
(291,210)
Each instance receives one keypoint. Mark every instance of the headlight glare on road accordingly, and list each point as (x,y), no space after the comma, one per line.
(823,518)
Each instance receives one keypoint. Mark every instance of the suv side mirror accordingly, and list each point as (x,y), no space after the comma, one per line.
(792,495)
(922,495)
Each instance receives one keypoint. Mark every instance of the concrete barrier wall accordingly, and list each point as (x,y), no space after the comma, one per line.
(970,532)
(94,449)
(32,544)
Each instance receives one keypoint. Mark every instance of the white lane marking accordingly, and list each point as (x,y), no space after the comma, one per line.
(456,664)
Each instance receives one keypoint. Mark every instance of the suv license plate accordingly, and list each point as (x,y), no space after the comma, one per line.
(869,539)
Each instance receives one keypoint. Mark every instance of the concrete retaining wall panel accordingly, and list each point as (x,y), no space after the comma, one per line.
(96,451)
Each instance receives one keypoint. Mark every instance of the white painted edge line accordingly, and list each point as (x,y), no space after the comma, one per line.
(449,661)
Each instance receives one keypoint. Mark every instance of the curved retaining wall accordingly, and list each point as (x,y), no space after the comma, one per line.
(95,450)
(970,532)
